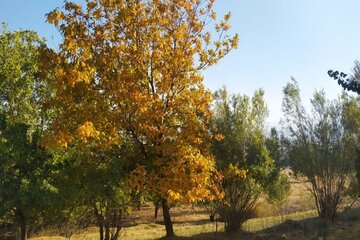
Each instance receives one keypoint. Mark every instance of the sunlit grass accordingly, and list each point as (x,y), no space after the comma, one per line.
(192,222)
(187,229)
(202,229)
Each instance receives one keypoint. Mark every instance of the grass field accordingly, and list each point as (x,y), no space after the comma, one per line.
(298,220)
(301,225)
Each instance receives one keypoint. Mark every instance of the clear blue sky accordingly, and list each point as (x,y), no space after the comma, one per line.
(278,39)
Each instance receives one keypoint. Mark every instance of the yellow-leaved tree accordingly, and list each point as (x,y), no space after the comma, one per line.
(132,69)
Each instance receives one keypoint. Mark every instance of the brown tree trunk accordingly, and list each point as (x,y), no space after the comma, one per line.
(20,225)
(117,233)
(100,221)
(156,203)
(101,230)
(327,210)
(107,231)
(232,221)
(167,219)
(117,222)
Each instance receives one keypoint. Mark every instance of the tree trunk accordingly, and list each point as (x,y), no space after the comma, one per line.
(20,225)
(100,221)
(107,231)
(327,209)
(117,233)
(101,231)
(156,203)
(232,223)
(167,219)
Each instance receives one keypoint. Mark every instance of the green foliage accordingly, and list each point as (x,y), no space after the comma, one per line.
(20,87)
(25,181)
(92,185)
(279,190)
(25,167)
(241,121)
(273,143)
(322,145)
(352,122)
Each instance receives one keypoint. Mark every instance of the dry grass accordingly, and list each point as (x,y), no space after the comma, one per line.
(300,225)
(306,228)
(297,220)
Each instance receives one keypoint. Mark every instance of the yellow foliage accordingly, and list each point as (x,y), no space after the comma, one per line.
(137,178)
(133,70)
(234,172)
(219,137)
(190,177)
(59,140)
(87,130)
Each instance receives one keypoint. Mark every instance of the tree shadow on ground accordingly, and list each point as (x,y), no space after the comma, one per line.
(345,227)
(286,230)
(192,222)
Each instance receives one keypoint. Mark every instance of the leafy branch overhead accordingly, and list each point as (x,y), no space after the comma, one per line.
(346,81)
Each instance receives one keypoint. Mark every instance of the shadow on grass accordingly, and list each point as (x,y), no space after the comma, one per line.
(213,236)
(345,227)
(287,230)
(191,222)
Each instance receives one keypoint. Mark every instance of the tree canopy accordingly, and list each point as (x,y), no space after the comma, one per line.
(242,155)
(132,70)
(25,167)
(322,145)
